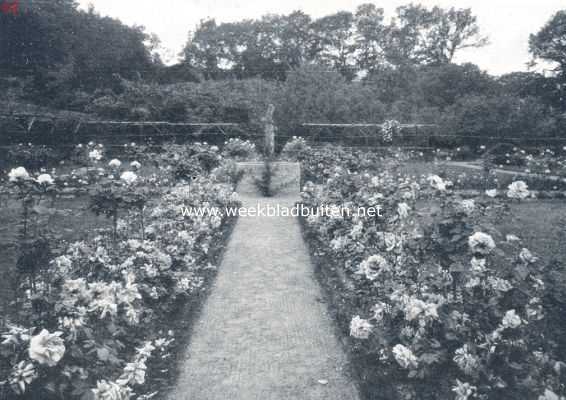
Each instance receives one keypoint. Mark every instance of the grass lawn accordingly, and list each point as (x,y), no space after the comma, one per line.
(467,178)
(541,226)
(72,221)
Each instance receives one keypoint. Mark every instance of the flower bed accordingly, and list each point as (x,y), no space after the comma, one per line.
(95,319)
(437,302)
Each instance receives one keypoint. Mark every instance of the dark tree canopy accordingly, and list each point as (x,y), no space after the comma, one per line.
(347,42)
(549,43)
(422,36)
(267,47)
(62,49)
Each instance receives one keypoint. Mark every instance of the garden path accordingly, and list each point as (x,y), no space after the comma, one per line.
(264,332)
(479,167)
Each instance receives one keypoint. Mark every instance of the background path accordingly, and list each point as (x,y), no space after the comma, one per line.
(264,333)
(477,166)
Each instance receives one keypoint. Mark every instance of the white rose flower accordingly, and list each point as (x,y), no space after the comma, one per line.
(403,210)
(18,174)
(478,265)
(45,179)
(47,348)
(527,257)
(499,284)
(436,182)
(481,243)
(135,165)
(491,193)
(468,206)
(360,328)
(373,267)
(511,320)
(549,395)
(464,390)
(129,177)
(465,360)
(518,190)
(405,357)
(95,155)
(380,310)
(115,163)
(111,391)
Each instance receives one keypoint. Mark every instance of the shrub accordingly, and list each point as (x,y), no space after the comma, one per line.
(239,149)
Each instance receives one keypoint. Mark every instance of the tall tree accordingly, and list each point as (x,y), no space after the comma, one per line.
(406,35)
(549,43)
(206,50)
(370,37)
(334,41)
(63,49)
(296,39)
(267,47)
(38,39)
(431,36)
(452,30)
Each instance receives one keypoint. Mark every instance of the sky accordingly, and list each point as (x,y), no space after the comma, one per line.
(507,23)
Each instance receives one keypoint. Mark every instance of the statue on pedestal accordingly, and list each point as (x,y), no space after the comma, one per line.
(269,129)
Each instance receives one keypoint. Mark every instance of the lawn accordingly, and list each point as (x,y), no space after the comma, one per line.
(468,178)
(72,221)
(540,225)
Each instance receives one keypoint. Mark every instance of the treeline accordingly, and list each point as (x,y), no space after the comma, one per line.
(351,43)
(59,55)
(346,67)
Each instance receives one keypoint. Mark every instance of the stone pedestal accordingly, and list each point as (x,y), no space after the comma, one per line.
(286,178)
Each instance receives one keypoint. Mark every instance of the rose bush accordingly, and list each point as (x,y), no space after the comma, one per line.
(438,303)
(93,322)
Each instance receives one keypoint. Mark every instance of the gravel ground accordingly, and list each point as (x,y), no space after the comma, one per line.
(264,332)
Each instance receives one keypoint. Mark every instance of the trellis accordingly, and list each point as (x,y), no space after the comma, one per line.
(23,125)
(365,131)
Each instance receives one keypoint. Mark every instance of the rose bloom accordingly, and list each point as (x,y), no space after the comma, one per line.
(468,206)
(465,360)
(360,328)
(438,183)
(95,155)
(373,267)
(111,391)
(527,257)
(464,390)
(45,179)
(18,174)
(135,165)
(129,177)
(47,348)
(404,356)
(518,190)
(491,193)
(478,265)
(511,320)
(115,163)
(403,210)
(549,395)
(481,243)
